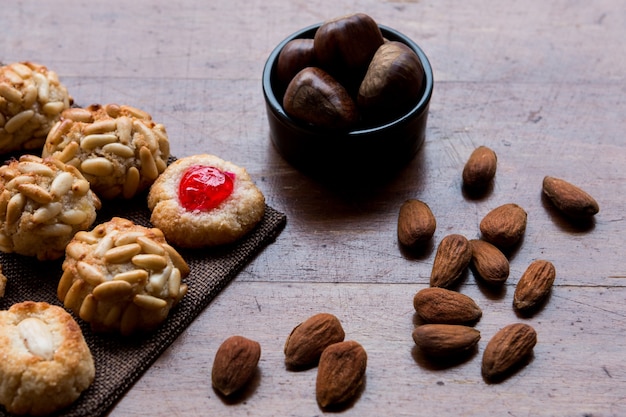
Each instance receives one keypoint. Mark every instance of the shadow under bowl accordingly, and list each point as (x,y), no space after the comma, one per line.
(378,150)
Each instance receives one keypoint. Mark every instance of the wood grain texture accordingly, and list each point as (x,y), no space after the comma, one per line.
(540,83)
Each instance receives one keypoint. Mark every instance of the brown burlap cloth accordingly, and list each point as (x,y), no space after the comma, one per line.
(121,361)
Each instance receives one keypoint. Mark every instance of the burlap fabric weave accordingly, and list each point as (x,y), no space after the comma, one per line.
(121,361)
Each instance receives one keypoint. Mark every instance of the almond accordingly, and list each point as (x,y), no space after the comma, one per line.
(480,168)
(416,223)
(454,254)
(444,340)
(569,199)
(534,285)
(235,364)
(37,337)
(507,349)
(440,305)
(308,340)
(340,373)
(504,226)
(489,262)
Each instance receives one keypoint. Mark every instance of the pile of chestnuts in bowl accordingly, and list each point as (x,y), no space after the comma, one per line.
(347,97)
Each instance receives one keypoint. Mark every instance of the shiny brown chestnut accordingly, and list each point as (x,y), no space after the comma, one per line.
(392,84)
(344,46)
(294,57)
(315,97)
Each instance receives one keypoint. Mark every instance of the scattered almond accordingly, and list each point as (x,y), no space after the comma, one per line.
(454,254)
(480,168)
(235,364)
(504,226)
(569,199)
(445,340)
(440,305)
(340,373)
(416,223)
(308,339)
(507,349)
(489,262)
(534,285)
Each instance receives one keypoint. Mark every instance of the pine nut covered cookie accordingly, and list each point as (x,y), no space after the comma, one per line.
(31,101)
(118,148)
(43,203)
(202,201)
(46,363)
(122,277)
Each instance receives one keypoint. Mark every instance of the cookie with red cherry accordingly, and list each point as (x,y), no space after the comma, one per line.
(203,201)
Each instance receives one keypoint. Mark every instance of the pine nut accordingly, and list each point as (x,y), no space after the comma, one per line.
(30,95)
(119,149)
(74,297)
(5,195)
(10,94)
(157,281)
(149,302)
(150,246)
(113,315)
(75,250)
(113,290)
(73,217)
(88,308)
(133,277)
(140,114)
(54,230)
(35,193)
(124,129)
(149,138)
(43,87)
(86,237)
(148,165)
(60,128)
(53,107)
(21,70)
(78,115)
(174,283)
(81,187)
(98,166)
(112,110)
(177,260)
(125,238)
(62,184)
(150,261)
(100,126)
(14,208)
(122,254)
(47,212)
(90,273)
(20,179)
(19,120)
(30,164)
(104,245)
(66,281)
(131,185)
(91,142)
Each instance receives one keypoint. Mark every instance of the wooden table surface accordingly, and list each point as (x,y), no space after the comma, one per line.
(541,83)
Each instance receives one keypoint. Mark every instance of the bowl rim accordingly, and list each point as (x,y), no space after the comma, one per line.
(389,33)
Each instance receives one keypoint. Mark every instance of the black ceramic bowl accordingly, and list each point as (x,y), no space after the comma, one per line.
(323,152)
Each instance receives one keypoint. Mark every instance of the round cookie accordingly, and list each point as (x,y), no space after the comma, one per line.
(43,203)
(31,102)
(46,363)
(119,149)
(122,277)
(202,201)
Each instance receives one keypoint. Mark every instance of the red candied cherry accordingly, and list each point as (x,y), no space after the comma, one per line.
(204,187)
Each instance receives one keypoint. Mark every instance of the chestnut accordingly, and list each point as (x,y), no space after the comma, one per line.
(392,84)
(345,45)
(296,55)
(315,97)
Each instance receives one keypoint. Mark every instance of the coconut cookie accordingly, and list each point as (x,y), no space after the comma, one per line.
(202,200)
(31,101)
(119,149)
(43,203)
(122,277)
(46,363)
